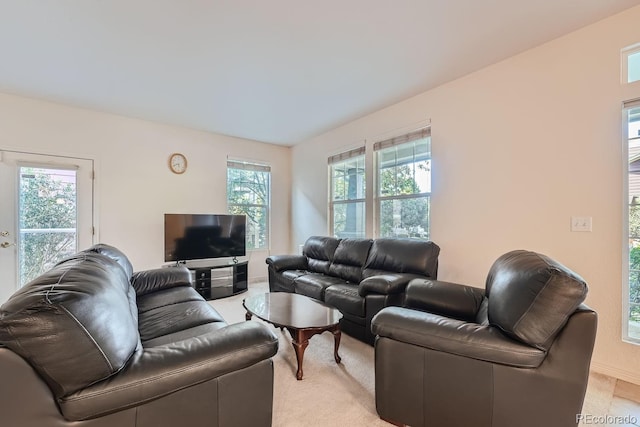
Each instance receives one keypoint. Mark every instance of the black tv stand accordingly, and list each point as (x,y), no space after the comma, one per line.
(220,281)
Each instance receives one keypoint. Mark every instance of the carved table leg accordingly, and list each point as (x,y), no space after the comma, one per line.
(300,343)
(337,334)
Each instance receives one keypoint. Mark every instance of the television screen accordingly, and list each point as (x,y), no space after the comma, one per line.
(201,236)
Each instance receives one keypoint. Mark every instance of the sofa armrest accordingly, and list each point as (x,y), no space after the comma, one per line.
(148,281)
(472,340)
(386,284)
(444,298)
(158,371)
(287,262)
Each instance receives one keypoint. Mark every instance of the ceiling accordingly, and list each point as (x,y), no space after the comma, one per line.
(278,71)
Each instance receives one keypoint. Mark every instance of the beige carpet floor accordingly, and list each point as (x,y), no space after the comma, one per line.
(330,394)
(343,394)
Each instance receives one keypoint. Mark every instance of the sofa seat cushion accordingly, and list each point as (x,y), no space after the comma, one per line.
(167,297)
(346,299)
(184,334)
(160,371)
(172,318)
(314,284)
(292,275)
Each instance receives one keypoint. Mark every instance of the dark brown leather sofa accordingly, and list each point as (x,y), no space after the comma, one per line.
(514,354)
(90,343)
(357,276)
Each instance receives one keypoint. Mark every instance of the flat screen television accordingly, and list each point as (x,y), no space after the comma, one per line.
(201,236)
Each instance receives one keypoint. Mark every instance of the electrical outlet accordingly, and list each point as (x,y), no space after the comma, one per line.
(581,223)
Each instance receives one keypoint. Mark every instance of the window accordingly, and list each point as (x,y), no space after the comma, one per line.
(47,209)
(347,194)
(404,185)
(631,64)
(248,193)
(631,318)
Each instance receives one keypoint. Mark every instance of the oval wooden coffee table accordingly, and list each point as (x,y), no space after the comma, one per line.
(302,316)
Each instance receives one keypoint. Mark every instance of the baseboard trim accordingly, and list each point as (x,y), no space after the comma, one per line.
(612,371)
(627,390)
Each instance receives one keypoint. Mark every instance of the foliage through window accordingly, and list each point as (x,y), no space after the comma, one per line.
(632,312)
(347,194)
(48,218)
(404,185)
(248,193)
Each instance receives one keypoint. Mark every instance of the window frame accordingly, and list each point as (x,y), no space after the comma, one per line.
(255,167)
(626,229)
(340,159)
(626,53)
(408,138)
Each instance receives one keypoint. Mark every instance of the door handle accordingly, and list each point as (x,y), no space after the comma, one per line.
(5,245)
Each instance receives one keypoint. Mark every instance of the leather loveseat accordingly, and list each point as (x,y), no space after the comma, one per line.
(90,343)
(516,353)
(359,277)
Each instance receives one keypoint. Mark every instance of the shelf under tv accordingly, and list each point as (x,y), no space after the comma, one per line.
(220,281)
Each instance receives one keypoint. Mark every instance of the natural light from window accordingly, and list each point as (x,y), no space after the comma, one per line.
(632,299)
(248,193)
(633,67)
(404,186)
(347,197)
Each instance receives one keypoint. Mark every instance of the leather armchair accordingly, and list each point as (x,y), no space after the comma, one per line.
(516,353)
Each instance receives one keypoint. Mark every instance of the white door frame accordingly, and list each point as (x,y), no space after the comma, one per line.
(86,216)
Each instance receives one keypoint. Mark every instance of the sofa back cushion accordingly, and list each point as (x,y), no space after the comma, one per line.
(123,261)
(402,256)
(349,258)
(319,251)
(531,297)
(73,324)
(115,254)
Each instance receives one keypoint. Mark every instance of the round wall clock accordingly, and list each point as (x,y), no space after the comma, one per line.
(177,163)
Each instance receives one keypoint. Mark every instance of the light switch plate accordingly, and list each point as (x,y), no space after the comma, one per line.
(581,223)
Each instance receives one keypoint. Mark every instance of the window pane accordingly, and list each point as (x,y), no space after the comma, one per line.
(634,222)
(633,67)
(404,188)
(248,194)
(257,232)
(405,169)
(348,179)
(48,217)
(349,220)
(247,187)
(348,184)
(406,217)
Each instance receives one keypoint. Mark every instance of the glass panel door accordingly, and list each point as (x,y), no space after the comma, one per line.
(47,214)
(47,219)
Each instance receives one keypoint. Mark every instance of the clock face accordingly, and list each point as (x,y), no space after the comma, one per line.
(177,163)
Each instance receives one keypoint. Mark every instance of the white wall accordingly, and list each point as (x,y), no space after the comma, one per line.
(133,182)
(518,148)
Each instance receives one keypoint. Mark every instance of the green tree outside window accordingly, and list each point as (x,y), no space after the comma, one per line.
(48,215)
(248,193)
(404,189)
